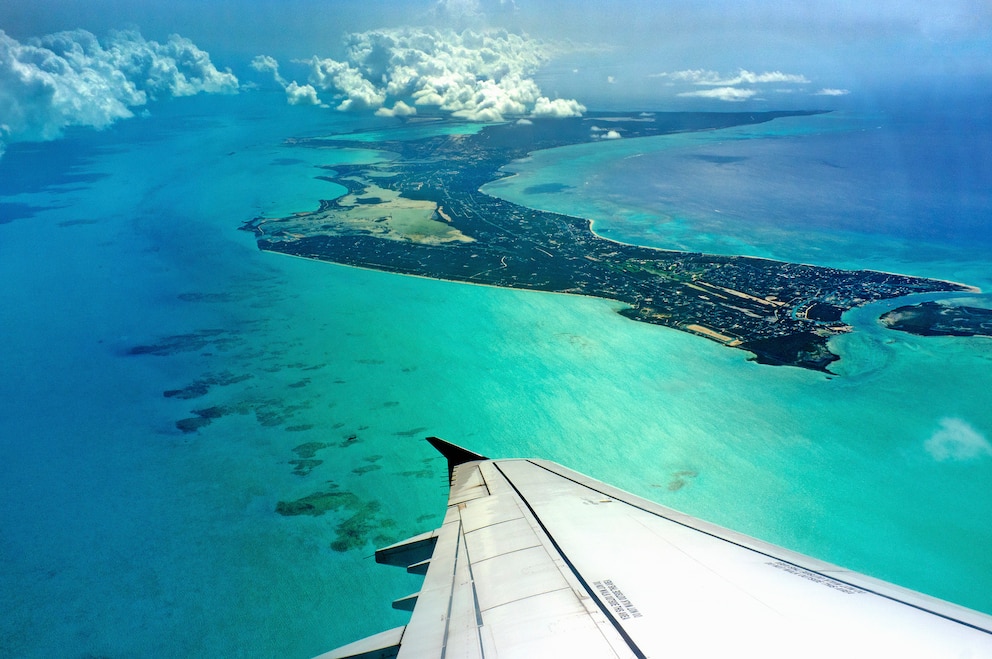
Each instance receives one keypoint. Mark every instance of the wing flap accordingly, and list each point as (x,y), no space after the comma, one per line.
(409,552)
(384,645)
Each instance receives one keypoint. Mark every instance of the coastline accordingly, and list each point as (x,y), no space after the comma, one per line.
(523,247)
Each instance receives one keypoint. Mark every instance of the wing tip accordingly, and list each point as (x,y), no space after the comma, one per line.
(454,454)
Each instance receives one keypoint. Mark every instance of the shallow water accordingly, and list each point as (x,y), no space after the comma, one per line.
(125,536)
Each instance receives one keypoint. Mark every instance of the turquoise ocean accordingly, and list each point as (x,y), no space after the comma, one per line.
(133,308)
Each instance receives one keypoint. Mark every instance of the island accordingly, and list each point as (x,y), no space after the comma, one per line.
(940,319)
(421,212)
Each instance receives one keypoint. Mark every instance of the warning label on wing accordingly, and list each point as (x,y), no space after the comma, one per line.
(616,600)
(816,577)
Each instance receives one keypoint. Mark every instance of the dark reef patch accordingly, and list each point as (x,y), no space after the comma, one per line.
(268,412)
(318,503)
(680,479)
(304,467)
(362,526)
(412,432)
(192,390)
(192,424)
(309,449)
(214,412)
(201,387)
(307,461)
(200,340)
(365,525)
(10,211)
(426,472)
(547,188)
(717,160)
(202,419)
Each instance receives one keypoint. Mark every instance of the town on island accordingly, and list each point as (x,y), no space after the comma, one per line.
(420,211)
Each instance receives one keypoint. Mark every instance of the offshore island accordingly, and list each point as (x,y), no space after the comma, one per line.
(421,212)
(940,319)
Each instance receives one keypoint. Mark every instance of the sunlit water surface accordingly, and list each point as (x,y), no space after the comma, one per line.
(132,304)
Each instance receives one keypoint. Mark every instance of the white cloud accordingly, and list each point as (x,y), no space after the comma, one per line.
(957,440)
(484,75)
(400,109)
(728,87)
(558,108)
(604,133)
(265,63)
(743,76)
(832,92)
(751,78)
(730,94)
(301,94)
(358,92)
(72,79)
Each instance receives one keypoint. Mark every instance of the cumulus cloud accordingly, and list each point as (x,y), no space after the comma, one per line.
(730,94)
(484,75)
(957,440)
(714,79)
(832,92)
(728,87)
(557,108)
(400,109)
(74,79)
(268,64)
(604,133)
(359,93)
(301,94)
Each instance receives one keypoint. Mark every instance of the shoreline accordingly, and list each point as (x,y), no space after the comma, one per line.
(968,288)
(518,245)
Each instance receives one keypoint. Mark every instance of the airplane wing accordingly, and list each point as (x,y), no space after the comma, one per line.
(536,560)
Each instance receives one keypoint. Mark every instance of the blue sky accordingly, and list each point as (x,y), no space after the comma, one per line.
(583,54)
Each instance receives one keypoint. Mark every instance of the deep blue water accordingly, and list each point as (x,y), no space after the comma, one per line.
(125,278)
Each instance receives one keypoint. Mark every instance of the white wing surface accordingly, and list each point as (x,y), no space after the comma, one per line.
(536,560)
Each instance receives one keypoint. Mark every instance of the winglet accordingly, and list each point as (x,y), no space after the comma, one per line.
(455,455)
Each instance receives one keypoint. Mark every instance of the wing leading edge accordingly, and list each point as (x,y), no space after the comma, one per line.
(534,559)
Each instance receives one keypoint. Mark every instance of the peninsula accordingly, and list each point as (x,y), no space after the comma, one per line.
(422,213)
